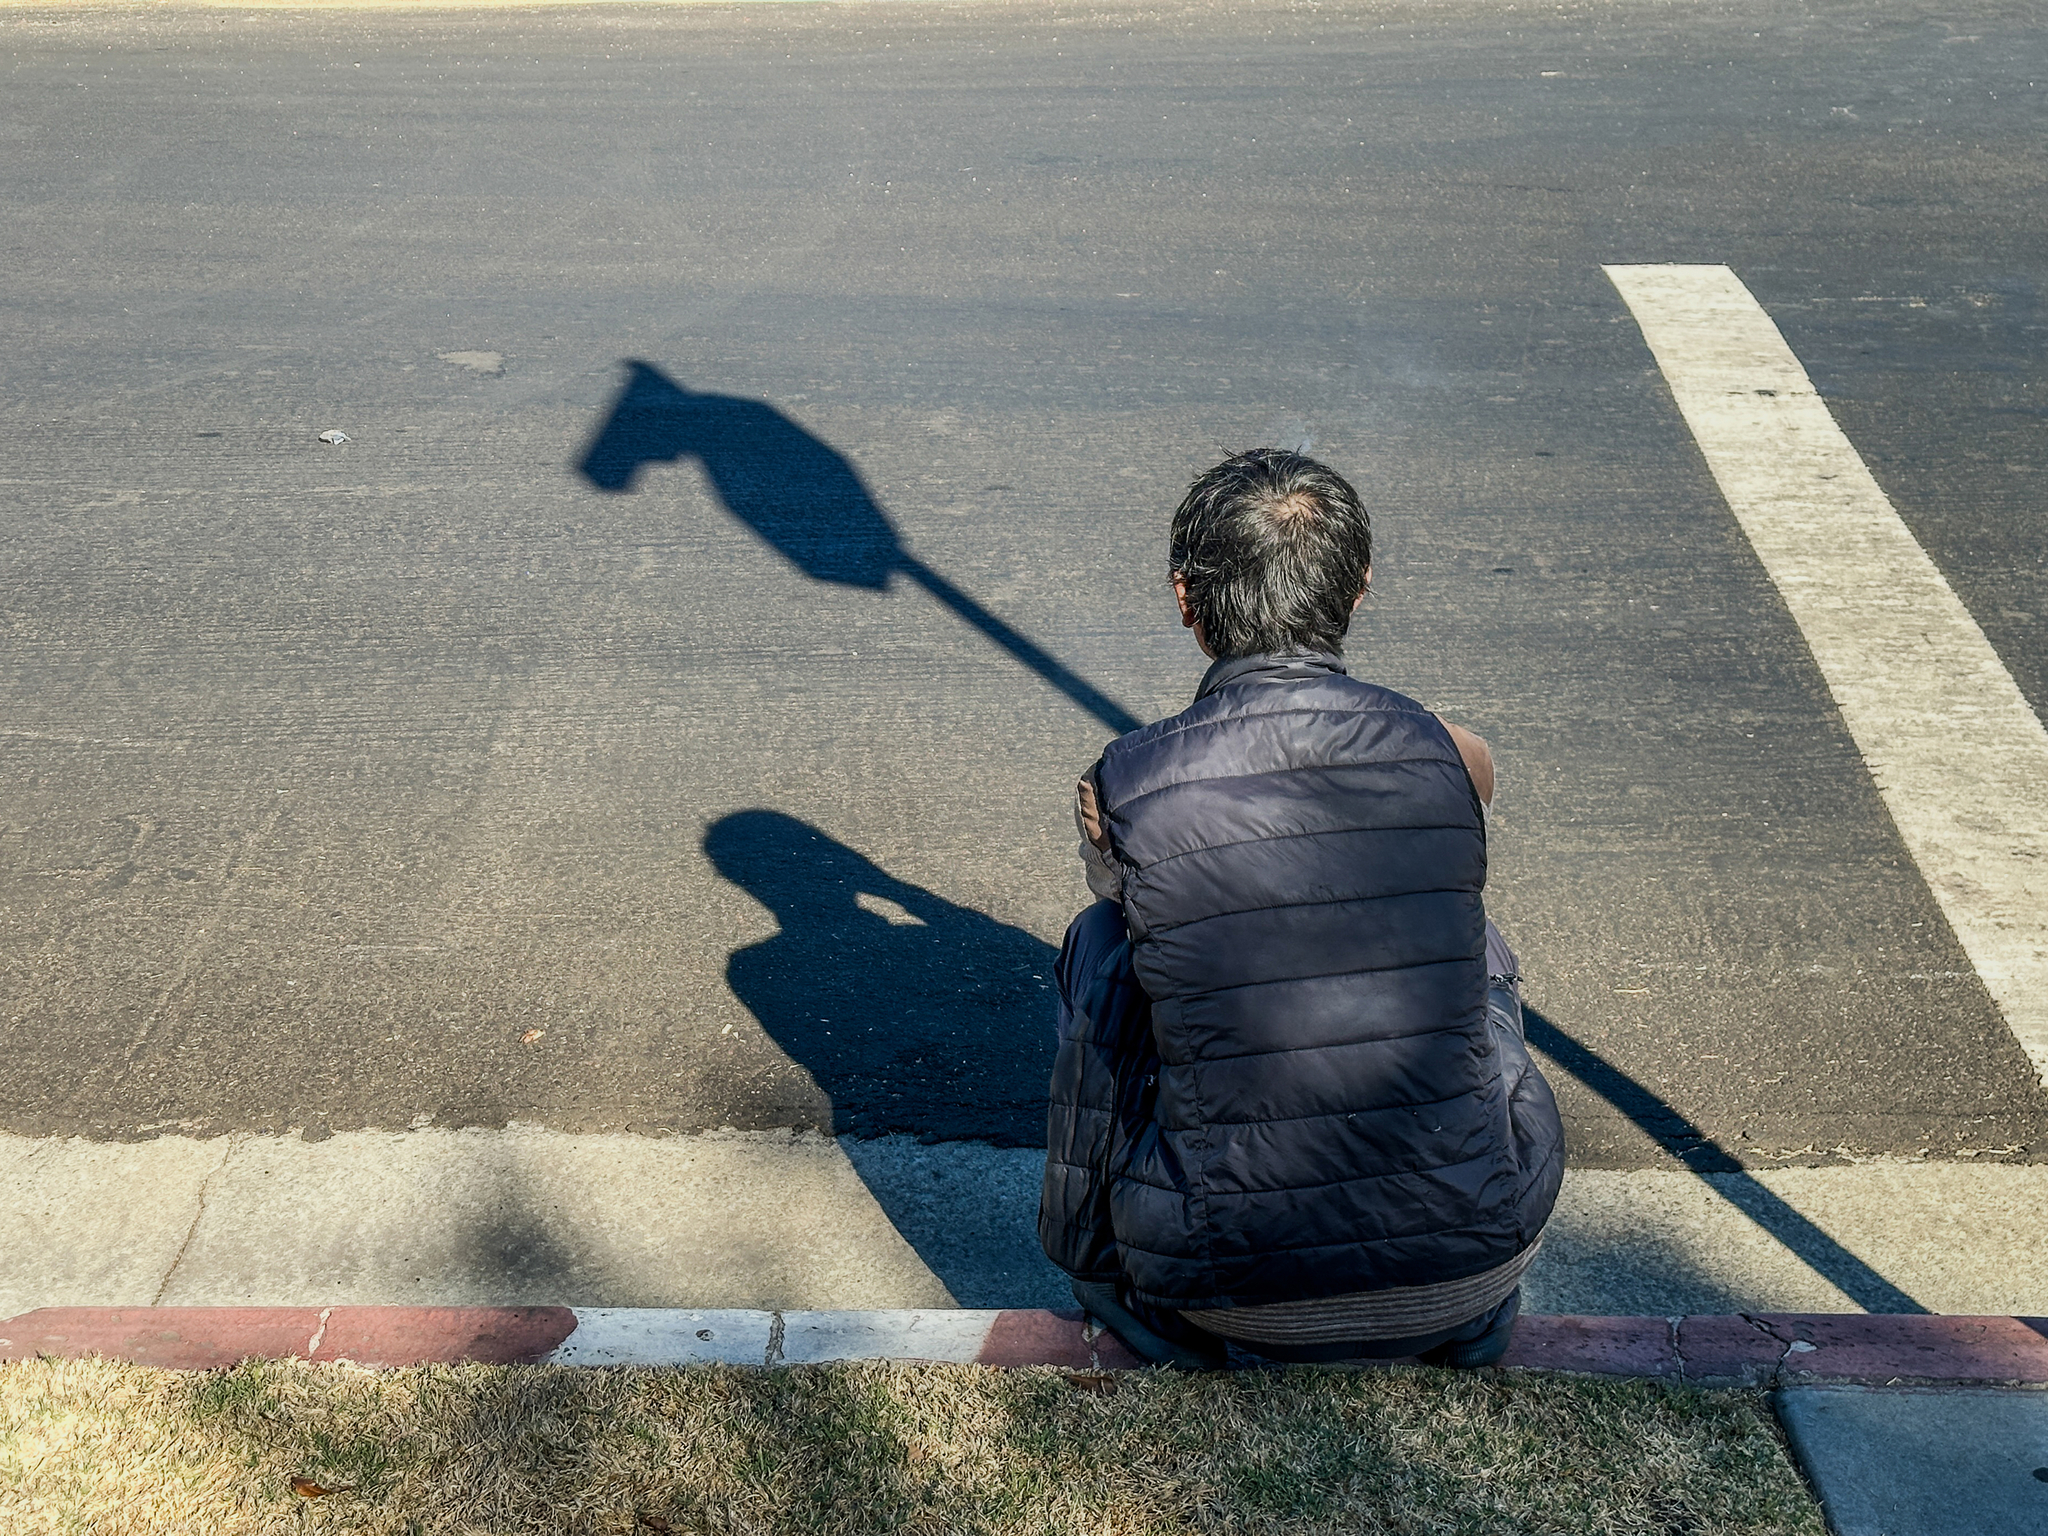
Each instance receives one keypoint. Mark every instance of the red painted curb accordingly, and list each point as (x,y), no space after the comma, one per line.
(199,1338)
(1600,1346)
(1797,1349)
(1730,1349)
(1020,1338)
(1911,1350)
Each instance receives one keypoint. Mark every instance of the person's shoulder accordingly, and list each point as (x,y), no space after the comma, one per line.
(1476,755)
(1159,753)
(1147,736)
(1371,695)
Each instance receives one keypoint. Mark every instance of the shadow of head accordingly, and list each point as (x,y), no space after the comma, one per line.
(514,1250)
(911,1013)
(795,491)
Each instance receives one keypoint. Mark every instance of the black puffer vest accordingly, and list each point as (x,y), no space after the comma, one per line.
(1303,857)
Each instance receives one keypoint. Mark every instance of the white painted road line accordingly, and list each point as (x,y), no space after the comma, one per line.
(1958,755)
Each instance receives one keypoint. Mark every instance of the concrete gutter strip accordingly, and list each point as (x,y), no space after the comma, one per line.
(1776,1350)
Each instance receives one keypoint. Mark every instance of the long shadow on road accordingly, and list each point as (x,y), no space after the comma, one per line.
(915,1017)
(800,495)
(1724,1173)
(913,1014)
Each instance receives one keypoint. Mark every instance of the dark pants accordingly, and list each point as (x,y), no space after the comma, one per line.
(1174,1339)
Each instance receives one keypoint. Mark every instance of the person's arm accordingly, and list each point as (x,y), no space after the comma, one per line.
(1104,883)
(1478,759)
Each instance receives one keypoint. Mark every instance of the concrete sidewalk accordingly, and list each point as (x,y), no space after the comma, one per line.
(775,1220)
(1891,1462)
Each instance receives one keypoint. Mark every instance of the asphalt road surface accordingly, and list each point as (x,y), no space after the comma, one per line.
(661,712)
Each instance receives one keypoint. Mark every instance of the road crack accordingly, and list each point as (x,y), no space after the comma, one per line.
(199,1215)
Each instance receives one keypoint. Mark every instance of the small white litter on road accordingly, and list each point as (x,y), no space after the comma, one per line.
(332,436)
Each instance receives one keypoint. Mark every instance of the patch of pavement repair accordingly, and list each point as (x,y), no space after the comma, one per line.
(775,1220)
(1930,1463)
(476,362)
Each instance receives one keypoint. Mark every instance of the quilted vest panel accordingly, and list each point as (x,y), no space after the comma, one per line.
(1303,859)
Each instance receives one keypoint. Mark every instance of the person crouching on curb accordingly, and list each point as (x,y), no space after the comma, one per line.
(1293,1115)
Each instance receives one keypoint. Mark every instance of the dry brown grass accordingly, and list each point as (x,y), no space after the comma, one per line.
(97,1446)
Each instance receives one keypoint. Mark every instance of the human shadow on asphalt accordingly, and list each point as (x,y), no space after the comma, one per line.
(1723,1171)
(913,1014)
(801,496)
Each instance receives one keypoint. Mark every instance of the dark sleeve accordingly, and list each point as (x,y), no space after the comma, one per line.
(1105,1027)
(1532,1108)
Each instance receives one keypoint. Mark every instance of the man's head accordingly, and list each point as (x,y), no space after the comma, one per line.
(1271,552)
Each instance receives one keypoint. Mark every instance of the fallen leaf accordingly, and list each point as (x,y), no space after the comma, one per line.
(531,1035)
(306,1488)
(1092,1382)
(654,1523)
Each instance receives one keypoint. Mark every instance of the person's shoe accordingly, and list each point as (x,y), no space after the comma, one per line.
(1099,1302)
(1495,1332)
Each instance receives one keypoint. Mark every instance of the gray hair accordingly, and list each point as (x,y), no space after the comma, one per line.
(1273,549)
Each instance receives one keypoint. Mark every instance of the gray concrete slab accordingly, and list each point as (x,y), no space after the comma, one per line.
(106,1220)
(532,1216)
(771,1220)
(1898,1463)
(1942,1237)
(970,1211)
